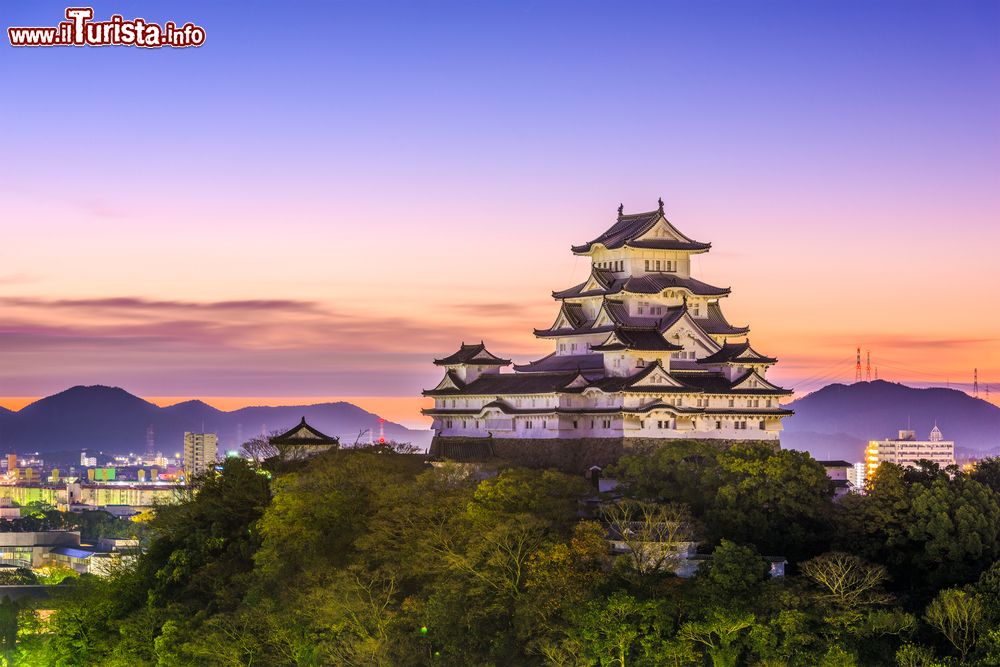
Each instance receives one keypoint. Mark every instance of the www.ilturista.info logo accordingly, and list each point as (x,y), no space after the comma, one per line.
(81,30)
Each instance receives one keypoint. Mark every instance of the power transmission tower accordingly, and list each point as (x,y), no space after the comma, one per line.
(857,368)
(975,383)
(868,366)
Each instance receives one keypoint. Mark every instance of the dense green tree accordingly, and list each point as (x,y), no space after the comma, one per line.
(987,472)
(734,575)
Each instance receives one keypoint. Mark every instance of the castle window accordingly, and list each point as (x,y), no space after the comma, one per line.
(447,423)
(477,423)
(575,424)
(732,402)
(657,265)
(761,424)
(718,426)
(647,265)
(527,424)
(464,425)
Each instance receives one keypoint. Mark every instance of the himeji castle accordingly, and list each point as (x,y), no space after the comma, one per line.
(641,351)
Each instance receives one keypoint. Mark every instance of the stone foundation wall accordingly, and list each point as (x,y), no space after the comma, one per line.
(571,455)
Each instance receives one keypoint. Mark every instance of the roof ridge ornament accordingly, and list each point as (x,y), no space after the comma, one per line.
(660,209)
(621,210)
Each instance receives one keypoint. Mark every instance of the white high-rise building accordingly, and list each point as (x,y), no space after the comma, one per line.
(200,452)
(906,450)
(641,349)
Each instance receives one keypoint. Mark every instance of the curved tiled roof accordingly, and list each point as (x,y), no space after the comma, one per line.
(467,355)
(653,283)
(629,227)
(636,339)
(730,351)
(650,283)
(716,322)
(303,434)
(563,363)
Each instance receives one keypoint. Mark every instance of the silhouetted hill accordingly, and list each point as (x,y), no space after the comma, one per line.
(114,421)
(838,420)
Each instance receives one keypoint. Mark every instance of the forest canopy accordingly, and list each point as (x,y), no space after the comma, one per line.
(370,557)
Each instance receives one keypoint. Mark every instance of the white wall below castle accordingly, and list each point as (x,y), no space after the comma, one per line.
(606,427)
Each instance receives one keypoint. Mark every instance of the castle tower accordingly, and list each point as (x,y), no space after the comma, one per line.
(641,349)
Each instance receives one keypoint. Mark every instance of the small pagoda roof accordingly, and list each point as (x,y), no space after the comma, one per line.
(305,435)
(476,355)
(737,353)
(636,339)
(628,229)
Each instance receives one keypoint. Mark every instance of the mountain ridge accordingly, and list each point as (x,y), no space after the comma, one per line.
(838,420)
(112,420)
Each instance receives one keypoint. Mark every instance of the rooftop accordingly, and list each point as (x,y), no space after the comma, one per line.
(303,434)
(629,228)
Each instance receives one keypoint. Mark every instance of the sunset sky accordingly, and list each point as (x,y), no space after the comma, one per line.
(325,196)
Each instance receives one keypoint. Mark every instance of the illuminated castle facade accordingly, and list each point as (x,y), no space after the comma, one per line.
(641,349)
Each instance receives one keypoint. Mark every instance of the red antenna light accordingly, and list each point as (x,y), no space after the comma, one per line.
(381,431)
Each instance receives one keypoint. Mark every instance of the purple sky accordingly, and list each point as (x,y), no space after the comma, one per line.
(318,201)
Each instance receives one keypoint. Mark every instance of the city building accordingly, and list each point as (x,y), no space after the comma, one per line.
(200,452)
(906,450)
(641,350)
(31,549)
(98,559)
(72,495)
(842,474)
(858,476)
(8,511)
(87,461)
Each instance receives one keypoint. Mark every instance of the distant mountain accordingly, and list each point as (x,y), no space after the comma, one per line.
(114,421)
(838,420)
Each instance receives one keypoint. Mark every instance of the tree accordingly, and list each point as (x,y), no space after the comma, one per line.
(779,501)
(957,523)
(612,628)
(987,472)
(847,580)
(561,578)
(733,576)
(655,535)
(957,615)
(719,634)
(913,655)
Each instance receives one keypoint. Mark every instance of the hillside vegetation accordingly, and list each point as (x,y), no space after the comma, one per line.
(367,557)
